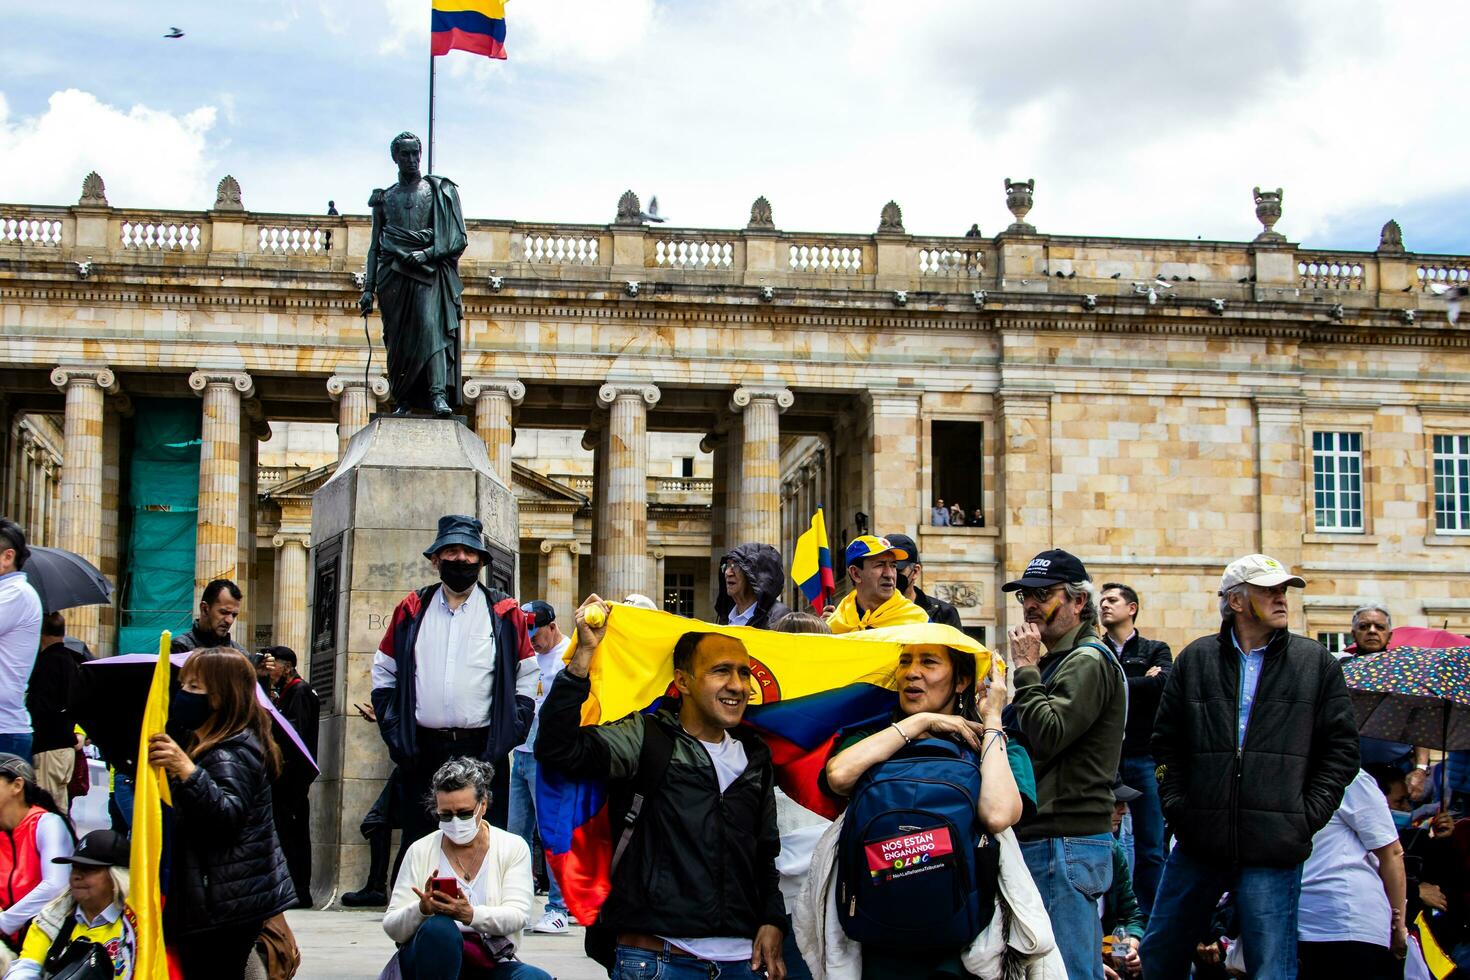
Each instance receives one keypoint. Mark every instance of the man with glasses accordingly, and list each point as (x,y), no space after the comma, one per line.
(1070,708)
(1255,742)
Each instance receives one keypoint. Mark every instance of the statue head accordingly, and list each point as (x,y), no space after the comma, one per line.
(405,150)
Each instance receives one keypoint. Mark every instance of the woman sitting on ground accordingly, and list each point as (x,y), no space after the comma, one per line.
(463,894)
(228,873)
(36,833)
(90,911)
(938,698)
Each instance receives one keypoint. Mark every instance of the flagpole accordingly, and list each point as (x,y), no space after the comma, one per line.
(430,167)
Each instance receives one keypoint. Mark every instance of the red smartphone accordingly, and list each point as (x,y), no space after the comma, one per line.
(446,886)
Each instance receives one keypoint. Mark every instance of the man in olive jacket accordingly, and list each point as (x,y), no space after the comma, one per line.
(1070,708)
(1255,742)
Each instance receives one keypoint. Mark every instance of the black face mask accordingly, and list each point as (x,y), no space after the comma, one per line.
(903,582)
(188,710)
(459,575)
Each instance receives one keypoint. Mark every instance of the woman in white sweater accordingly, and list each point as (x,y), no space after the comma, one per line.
(463,893)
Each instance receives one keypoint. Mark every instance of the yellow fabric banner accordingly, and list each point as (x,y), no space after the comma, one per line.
(150,794)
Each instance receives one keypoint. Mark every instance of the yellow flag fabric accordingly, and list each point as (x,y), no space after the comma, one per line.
(897,611)
(634,664)
(150,794)
(1435,957)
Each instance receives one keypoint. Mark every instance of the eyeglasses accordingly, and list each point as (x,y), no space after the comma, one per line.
(1039,593)
(447,815)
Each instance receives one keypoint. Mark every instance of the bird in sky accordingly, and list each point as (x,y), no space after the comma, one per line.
(652,213)
(1453,296)
(174,34)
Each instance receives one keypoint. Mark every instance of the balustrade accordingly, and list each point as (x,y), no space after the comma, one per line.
(814,257)
(955,263)
(29,231)
(293,240)
(693,254)
(162,236)
(1330,272)
(1450,271)
(556,249)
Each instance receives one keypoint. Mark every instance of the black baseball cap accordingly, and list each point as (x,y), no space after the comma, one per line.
(1050,568)
(99,849)
(539,613)
(1122,792)
(906,543)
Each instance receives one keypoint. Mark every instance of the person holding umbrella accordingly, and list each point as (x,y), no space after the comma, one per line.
(228,872)
(20,638)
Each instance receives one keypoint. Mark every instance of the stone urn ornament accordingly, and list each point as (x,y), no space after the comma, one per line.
(1268,212)
(1019,198)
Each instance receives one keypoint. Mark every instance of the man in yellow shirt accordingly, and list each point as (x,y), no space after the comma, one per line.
(872,566)
(93,910)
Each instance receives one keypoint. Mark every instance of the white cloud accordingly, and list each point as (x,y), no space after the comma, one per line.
(146,157)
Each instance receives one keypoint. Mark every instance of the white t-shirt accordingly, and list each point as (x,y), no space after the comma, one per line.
(549,664)
(729,759)
(1342,896)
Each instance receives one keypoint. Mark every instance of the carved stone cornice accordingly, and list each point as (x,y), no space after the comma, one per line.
(615,390)
(205,378)
(746,394)
(510,388)
(339,383)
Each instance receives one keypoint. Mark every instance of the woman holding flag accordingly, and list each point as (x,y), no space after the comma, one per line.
(228,874)
(940,696)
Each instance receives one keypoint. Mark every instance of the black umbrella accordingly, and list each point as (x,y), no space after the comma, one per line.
(64,579)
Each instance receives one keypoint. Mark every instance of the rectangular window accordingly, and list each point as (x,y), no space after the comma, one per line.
(1337,480)
(1452,484)
(686,465)
(679,593)
(1335,643)
(958,452)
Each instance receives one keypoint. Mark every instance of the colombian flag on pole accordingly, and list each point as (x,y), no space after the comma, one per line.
(805,690)
(476,26)
(811,567)
(147,858)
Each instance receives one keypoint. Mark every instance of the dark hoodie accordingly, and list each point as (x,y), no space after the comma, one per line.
(762,567)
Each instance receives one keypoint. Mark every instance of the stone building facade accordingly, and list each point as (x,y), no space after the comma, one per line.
(656,395)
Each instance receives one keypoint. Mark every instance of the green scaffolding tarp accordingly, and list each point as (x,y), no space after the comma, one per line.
(163,496)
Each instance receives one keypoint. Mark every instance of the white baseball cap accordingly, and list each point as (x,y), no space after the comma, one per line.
(1262,570)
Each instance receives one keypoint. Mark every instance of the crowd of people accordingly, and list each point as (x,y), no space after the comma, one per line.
(1081,803)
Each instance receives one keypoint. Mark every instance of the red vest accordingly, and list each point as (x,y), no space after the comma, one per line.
(20,860)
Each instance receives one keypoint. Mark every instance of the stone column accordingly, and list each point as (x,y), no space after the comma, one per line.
(594,440)
(81,478)
(892,453)
(760,461)
(21,488)
(717,445)
(561,578)
(118,408)
(624,539)
(1281,484)
(290,607)
(1023,503)
(494,399)
(357,399)
(217,542)
(655,588)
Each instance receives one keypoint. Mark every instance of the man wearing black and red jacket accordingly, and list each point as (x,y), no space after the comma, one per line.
(1146,663)
(300,705)
(455,675)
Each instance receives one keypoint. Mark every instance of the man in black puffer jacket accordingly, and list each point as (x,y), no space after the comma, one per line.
(1255,742)
(752,579)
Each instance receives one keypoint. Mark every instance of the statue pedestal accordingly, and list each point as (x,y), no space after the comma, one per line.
(370,524)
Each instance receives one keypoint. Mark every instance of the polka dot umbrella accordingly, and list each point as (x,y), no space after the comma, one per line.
(1416,695)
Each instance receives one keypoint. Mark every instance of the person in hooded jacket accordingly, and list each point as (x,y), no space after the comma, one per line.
(753,577)
(229,874)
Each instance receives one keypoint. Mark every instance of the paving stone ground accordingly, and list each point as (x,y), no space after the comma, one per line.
(351,945)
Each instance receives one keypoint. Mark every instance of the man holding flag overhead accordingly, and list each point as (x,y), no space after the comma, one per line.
(693,881)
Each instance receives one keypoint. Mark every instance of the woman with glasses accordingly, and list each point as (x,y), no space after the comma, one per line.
(463,893)
(228,873)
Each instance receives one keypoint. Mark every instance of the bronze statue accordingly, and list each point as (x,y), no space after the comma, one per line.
(413,265)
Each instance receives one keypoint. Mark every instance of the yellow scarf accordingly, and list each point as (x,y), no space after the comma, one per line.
(897,611)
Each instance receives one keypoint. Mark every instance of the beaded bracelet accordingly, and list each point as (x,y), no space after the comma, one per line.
(906,739)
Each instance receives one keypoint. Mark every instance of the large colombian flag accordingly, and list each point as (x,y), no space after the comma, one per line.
(148,860)
(476,26)
(811,566)
(805,690)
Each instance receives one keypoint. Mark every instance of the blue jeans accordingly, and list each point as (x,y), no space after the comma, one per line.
(1265,901)
(1072,873)
(436,952)
(17,743)
(1149,851)
(122,797)
(641,964)
(522,818)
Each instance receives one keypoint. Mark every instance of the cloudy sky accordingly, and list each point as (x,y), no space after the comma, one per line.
(1151,118)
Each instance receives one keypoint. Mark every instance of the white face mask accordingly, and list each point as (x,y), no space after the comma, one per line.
(460,830)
